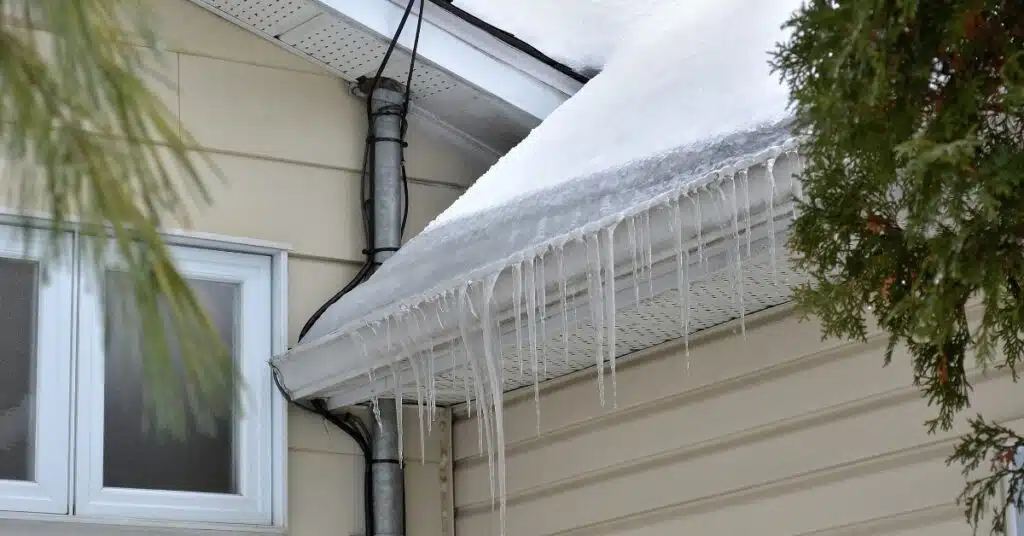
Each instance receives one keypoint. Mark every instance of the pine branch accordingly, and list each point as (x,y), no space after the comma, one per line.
(87,140)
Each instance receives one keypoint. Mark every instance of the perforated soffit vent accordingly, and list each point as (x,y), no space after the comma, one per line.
(350,50)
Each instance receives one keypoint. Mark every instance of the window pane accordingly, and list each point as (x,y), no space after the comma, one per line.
(135,453)
(18,284)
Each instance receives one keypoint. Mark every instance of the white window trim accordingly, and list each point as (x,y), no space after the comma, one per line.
(253,432)
(53,353)
(1014,517)
(34,523)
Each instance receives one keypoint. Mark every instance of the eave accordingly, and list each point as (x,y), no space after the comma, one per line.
(475,90)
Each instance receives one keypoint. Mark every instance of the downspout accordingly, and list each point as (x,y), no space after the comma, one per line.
(387,106)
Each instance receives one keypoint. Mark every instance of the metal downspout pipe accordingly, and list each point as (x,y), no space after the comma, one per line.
(387,107)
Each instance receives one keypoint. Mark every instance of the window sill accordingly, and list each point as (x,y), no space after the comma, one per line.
(46,525)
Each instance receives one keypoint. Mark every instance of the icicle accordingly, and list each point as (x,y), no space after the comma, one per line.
(560,255)
(542,302)
(419,407)
(396,374)
(633,247)
(609,305)
(432,388)
(770,167)
(649,254)
(683,277)
(595,300)
(465,308)
(490,339)
(479,431)
(469,396)
(700,226)
(428,374)
(798,191)
(739,260)
(730,261)
(531,328)
(517,311)
(438,310)
(746,198)
(374,400)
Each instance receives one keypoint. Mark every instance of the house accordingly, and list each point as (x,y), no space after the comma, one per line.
(631,366)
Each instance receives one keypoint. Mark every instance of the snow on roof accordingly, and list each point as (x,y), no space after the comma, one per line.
(670,107)
(702,75)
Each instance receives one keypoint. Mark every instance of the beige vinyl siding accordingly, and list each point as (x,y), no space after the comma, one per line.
(777,434)
(288,138)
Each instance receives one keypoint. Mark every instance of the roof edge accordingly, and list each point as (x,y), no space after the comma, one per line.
(313,369)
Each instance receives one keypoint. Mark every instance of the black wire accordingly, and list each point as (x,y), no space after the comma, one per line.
(405,111)
(350,424)
(510,39)
(412,63)
(366,186)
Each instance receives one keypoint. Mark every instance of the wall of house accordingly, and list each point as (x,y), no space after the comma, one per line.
(288,139)
(775,434)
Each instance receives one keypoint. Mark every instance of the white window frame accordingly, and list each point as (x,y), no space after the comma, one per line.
(253,432)
(30,511)
(53,354)
(1014,517)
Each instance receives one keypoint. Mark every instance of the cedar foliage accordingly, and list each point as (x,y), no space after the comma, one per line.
(85,140)
(913,207)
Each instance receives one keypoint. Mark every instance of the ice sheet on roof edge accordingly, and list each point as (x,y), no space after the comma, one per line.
(698,72)
(720,105)
(435,263)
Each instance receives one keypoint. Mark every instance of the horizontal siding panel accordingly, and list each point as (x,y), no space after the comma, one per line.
(713,359)
(315,210)
(843,496)
(838,434)
(696,416)
(270,112)
(753,428)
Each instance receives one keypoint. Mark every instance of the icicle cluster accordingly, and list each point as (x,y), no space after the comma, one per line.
(713,217)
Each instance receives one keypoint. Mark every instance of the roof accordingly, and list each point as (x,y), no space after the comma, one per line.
(674,144)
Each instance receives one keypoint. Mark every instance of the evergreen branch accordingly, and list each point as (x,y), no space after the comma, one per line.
(914,191)
(997,446)
(86,140)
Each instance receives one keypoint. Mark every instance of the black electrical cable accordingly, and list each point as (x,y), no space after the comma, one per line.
(366,186)
(510,39)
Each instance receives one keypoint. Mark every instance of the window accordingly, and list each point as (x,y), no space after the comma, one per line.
(75,437)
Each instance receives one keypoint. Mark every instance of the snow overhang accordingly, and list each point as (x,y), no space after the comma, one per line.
(643,209)
(475,89)
(720,234)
